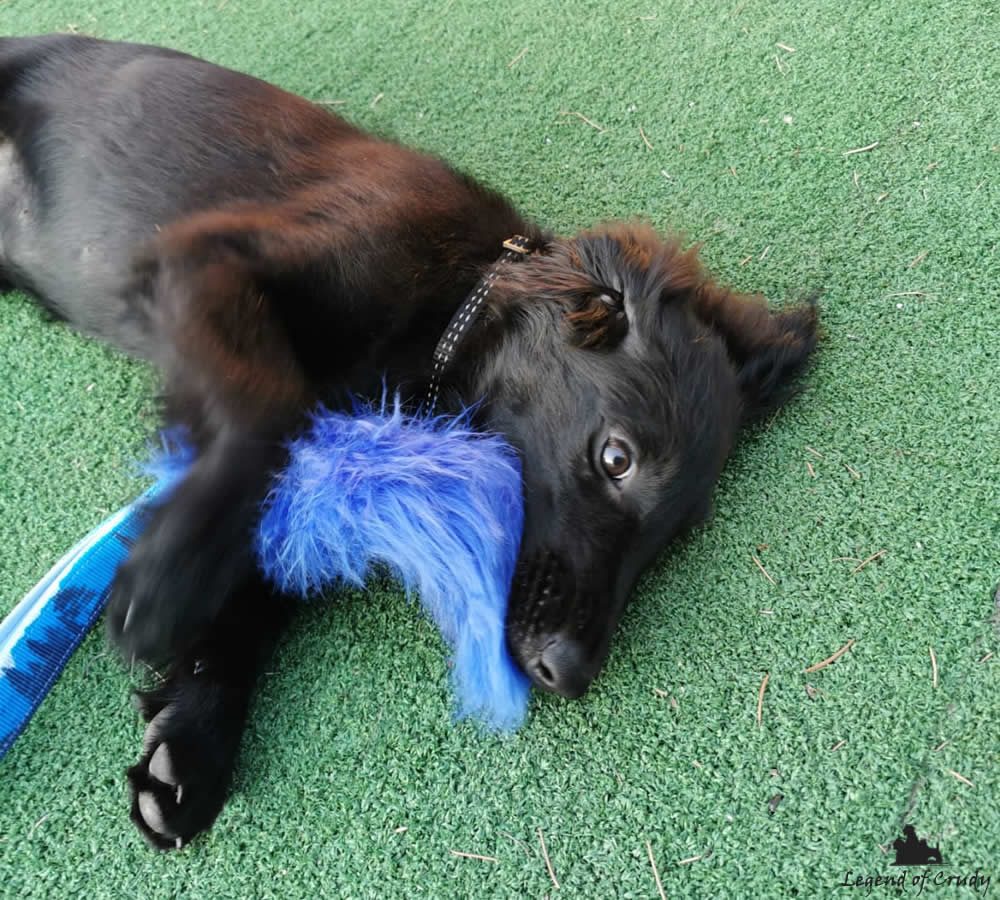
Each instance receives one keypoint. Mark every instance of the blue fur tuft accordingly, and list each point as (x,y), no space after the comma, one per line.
(436,502)
(169,463)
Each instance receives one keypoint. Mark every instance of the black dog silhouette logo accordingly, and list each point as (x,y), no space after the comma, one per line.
(914,851)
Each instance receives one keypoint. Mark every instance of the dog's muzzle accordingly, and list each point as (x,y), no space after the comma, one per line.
(547,625)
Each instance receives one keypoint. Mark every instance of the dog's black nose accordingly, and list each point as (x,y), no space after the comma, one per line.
(562,667)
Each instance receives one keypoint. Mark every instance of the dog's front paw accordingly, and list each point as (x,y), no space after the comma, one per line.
(144,620)
(163,599)
(180,784)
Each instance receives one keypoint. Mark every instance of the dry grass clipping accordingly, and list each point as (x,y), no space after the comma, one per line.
(760,698)
(832,658)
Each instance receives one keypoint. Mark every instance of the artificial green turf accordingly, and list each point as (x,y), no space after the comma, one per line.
(351,740)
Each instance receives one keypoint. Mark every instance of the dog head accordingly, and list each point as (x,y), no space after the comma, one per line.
(621,373)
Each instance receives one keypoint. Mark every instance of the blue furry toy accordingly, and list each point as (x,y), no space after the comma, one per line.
(434,501)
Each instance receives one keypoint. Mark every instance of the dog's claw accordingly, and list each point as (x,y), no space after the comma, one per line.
(127,620)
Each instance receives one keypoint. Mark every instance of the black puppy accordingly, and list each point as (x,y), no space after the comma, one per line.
(266,256)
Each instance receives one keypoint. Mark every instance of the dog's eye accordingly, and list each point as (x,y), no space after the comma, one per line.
(616,458)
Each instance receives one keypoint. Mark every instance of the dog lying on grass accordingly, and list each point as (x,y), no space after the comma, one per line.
(267,256)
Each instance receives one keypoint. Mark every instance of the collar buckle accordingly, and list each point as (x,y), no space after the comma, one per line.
(518,243)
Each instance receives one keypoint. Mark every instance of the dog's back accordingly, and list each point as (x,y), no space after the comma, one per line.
(72,245)
(105,146)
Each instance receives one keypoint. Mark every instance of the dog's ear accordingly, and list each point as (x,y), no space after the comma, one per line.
(598,318)
(768,349)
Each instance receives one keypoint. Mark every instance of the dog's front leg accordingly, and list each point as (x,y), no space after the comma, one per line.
(233,378)
(196,549)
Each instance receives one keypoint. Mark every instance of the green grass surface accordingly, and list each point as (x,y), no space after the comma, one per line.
(351,743)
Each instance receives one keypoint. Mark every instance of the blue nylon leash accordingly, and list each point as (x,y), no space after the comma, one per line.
(41,633)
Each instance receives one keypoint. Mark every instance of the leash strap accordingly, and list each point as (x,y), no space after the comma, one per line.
(515,247)
(40,634)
